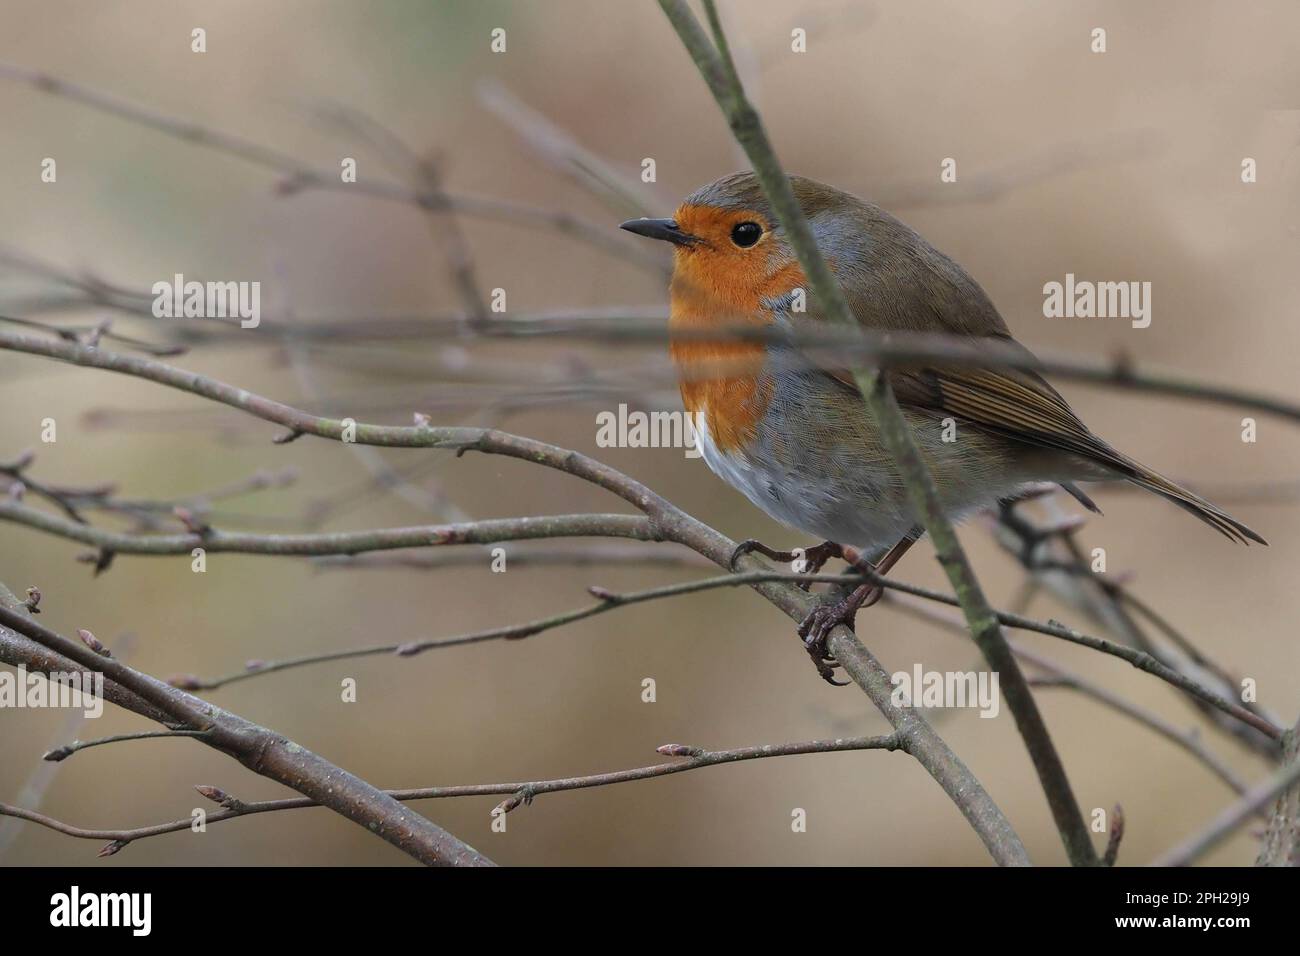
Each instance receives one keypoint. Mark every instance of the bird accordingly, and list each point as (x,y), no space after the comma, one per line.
(797,438)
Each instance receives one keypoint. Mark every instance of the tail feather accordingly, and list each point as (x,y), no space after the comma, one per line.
(1194,504)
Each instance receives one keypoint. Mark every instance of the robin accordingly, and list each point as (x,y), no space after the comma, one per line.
(799,442)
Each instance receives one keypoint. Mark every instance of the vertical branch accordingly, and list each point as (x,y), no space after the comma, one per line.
(1281,843)
(719,73)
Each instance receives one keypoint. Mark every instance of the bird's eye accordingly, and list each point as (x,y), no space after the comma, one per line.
(745,234)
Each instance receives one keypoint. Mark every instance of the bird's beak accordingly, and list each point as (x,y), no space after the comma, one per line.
(666,229)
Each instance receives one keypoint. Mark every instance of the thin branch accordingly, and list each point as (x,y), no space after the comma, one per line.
(41,777)
(520,792)
(432,500)
(17,472)
(298,177)
(871,348)
(883,350)
(510,632)
(1227,822)
(992,182)
(837,345)
(598,553)
(626,195)
(1139,659)
(1115,836)
(97,332)
(1042,549)
(1057,676)
(1142,660)
(444,226)
(67,750)
(147,512)
(1188,740)
(487,531)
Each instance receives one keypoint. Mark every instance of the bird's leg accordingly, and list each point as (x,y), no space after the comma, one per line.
(812,559)
(815,558)
(822,619)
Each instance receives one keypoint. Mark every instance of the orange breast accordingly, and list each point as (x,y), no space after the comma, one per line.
(707,293)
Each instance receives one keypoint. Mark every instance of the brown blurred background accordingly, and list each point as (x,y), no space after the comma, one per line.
(1122,166)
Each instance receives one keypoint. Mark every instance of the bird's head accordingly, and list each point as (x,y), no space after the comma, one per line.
(728,245)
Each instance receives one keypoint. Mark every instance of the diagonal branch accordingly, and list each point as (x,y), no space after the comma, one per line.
(1227,822)
(509,632)
(716,66)
(298,176)
(262,751)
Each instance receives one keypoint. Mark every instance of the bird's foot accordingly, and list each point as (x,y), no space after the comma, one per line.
(824,618)
(810,560)
(816,628)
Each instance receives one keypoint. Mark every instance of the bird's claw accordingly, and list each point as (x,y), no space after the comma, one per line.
(826,668)
(811,560)
(750,545)
(815,630)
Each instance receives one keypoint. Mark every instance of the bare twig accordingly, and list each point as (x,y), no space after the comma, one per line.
(1115,836)
(628,197)
(1057,676)
(41,777)
(1136,658)
(488,531)
(597,553)
(519,792)
(1051,553)
(832,346)
(298,176)
(510,632)
(1227,822)
(67,750)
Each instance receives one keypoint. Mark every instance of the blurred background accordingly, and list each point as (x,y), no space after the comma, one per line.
(1122,166)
